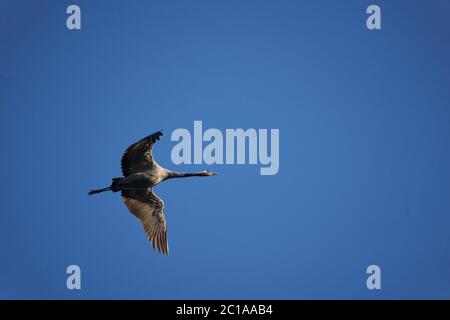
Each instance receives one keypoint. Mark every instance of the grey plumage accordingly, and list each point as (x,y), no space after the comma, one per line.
(140,174)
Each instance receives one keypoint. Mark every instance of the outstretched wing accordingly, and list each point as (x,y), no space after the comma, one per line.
(138,157)
(149,209)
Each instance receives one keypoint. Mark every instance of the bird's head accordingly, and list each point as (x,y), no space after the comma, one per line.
(208,173)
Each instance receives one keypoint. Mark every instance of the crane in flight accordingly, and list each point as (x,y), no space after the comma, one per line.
(141,173)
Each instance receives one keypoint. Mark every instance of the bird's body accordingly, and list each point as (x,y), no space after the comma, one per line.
(141,173)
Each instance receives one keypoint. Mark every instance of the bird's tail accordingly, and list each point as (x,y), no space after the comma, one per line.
(99,190)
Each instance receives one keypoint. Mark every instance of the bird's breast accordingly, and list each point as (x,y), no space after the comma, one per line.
(156,175)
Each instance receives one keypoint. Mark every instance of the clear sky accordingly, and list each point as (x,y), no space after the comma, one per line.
(364,148)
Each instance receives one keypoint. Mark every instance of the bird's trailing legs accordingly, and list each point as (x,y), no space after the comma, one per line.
(99,190)
(113,187)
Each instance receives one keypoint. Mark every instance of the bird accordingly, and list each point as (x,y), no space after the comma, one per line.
(140,174)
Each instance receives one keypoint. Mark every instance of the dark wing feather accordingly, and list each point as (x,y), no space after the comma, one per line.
(138,157)
(149,209)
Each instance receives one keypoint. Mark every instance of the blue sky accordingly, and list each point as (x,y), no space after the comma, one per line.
(364,153)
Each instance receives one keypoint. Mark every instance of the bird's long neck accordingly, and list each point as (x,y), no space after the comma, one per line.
(172,174)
